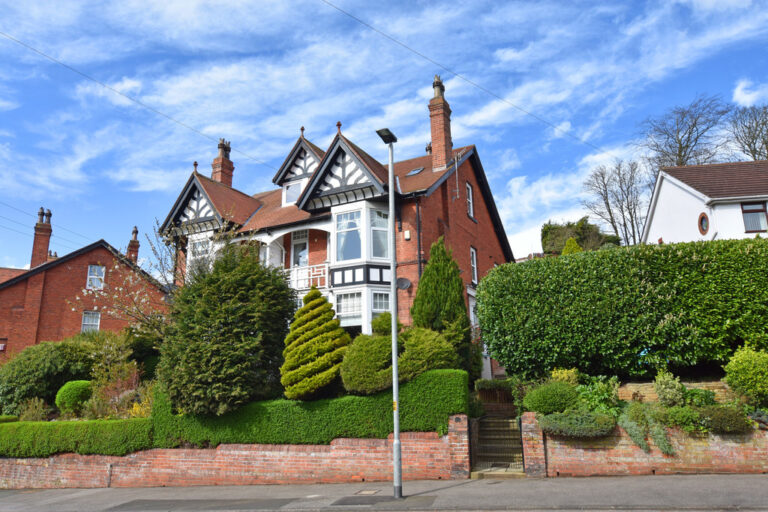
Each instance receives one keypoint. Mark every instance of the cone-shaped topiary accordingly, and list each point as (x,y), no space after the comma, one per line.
(571,247)
(314,349)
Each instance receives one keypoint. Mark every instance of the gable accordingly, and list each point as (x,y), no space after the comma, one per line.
(198,208)
(193,211)
(342,177)
(302,166)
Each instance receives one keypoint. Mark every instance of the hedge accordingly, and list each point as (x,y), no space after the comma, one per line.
(627,311)
(425,405)
(103,437)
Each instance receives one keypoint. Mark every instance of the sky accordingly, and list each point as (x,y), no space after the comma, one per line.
(546,90)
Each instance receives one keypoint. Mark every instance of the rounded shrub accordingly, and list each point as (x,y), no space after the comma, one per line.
(314,349)
(726,420)
(425,349)
(669,389)
(551,398)
(72,396)
(577,424)
(747,374)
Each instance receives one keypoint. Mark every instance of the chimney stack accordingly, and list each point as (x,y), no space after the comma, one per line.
(223,168)
(133,246)
(42,238)
(440,124)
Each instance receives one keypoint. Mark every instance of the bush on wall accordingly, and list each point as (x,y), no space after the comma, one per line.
(627,311)
(224,346)
(747,373)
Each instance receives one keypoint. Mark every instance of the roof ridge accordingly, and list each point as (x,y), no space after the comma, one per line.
(739,162)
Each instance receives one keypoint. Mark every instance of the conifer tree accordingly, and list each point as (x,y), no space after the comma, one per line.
(314,349)
(571,247)
(439,303)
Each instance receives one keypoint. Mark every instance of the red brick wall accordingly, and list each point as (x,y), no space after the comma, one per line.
(39,308)
(618,455)
(425,455)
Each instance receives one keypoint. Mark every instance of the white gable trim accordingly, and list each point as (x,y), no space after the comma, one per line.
(664,177)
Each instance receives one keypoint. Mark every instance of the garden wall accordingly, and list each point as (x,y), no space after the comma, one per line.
(425,455)
(646,392)
(618,455)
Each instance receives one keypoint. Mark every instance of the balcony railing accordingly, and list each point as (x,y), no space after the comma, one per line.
(304,278)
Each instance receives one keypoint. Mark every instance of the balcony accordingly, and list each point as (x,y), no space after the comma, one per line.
(304,278)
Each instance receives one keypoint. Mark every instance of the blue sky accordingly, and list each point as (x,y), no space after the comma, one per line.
(254,72)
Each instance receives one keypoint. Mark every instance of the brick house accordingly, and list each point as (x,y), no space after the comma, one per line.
(326,222)
(51,300)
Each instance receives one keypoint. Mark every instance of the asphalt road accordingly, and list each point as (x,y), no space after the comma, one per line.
(682,492)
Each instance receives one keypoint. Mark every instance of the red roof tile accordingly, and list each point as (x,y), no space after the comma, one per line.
(272,212)
(9,273)
(734,179)
(424,179)
(230,203)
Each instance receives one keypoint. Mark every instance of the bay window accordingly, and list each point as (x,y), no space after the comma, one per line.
(379,226)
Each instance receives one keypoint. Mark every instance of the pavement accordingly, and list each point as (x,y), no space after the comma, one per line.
(679,492)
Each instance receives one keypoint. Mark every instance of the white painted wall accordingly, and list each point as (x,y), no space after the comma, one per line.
(676,215)
(730,221)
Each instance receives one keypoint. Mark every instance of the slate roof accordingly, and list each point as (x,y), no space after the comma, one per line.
(733,179)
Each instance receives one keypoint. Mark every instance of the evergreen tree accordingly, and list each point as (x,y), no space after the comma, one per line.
(439,303)
(314,349)
(571,247)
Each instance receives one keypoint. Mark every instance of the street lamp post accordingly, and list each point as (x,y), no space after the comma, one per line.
(389,138)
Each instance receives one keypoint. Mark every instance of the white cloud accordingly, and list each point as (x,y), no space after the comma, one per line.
(561,130)
(746,93)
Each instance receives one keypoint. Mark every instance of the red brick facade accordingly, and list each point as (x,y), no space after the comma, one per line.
(618,455)
(38,305)
(425,455)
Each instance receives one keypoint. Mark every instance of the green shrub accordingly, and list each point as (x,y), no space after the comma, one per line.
(7,418)
(551,398)
(314,349)
(475,407)
(104,437)
(659,435)
(747,374)
(577,424)
(636,431)
(367,365)
(601,394)
(502,384)
(670,391)
(425,405)
(640,421)
(699,397)
(34,409)
(72,396)
(571,375)
(626,311)
(224,346)
(40,370)
(726,420)
(571,247)
(381,325)
(439,302)
(685,418)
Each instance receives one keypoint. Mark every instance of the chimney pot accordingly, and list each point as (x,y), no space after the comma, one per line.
(47,216)
(222,167)
(42,238)
(133,246)
(40,215)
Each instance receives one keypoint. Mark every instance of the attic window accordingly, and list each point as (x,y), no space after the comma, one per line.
(414,172)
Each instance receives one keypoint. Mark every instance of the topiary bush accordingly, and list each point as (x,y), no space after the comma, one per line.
(726,420)
(6,418)
(571,247)
(747,374)
(314,349)
(670,390)
(627,311)
(40,370)
(551,398)
(367,365)
(72,396)
(228,324)
(577,424)
(381,325)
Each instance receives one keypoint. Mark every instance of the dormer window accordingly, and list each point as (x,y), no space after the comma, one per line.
(291,191)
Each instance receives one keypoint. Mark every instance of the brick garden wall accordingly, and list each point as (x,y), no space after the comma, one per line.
(425,455)
(644,390)
(618,455)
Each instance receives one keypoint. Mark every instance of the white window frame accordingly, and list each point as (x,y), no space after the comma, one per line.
(377,311)
(297,237)
(361,228)
(344,316)
(470,201)
(473,264)
(92,314)
(302,184)
(371,216)
(101,278)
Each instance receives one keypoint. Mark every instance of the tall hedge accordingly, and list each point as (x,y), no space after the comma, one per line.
(224,345)
(314,349)
(627,311)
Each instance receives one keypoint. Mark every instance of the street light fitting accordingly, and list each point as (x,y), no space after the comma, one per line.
(387,136)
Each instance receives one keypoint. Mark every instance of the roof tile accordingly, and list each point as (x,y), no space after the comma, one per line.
(733,179)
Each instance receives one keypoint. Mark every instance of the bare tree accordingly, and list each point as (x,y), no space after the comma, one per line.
(618,199)
(748,129)
(685,135)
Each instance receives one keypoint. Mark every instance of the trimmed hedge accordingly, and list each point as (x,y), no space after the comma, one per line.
(627,311)
(103,437)
(551,397)
(425,405)
(73,395)
(577,424)
(8,418)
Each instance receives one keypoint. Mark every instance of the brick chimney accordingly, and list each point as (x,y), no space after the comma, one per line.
(223,168)
(440,124)
(133,246)
(42,238)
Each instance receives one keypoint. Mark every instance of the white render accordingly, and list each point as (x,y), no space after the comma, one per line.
(673,215)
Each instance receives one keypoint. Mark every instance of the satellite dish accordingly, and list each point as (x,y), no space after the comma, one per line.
(403,283)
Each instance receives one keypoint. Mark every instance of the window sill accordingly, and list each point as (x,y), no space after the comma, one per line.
(758,231)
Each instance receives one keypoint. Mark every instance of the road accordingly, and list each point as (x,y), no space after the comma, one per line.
(681,492)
